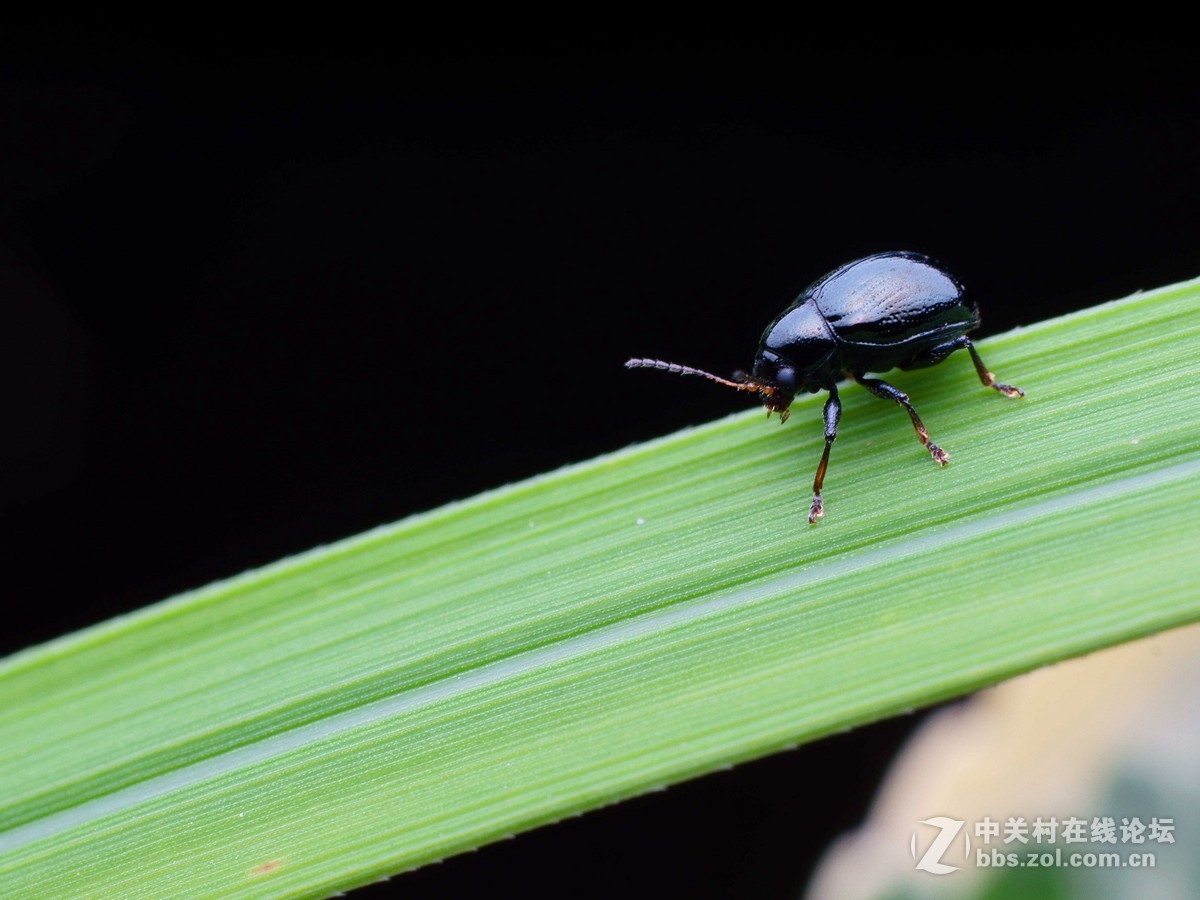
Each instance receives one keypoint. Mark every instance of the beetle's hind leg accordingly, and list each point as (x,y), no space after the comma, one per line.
(885,391)
(941,351)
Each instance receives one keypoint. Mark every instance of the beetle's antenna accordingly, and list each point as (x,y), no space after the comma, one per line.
(744,384)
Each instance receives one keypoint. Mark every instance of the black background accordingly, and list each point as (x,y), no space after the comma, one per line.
(267,289)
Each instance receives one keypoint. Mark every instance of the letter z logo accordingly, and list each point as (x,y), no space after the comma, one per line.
(931,861)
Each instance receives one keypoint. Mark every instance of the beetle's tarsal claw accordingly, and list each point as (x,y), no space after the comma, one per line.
(816,510)
(783,415)
(1008,390)
(940,456)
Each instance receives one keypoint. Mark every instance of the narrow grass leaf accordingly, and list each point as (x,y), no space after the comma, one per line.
(427,687)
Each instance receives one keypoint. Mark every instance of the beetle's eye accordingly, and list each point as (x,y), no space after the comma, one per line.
(785,380)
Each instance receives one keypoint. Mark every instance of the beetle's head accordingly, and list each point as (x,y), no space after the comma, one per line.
(779,375)
(796,353)
(773,398)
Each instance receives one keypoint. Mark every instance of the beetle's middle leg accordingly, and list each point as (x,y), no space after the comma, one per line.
(887,392)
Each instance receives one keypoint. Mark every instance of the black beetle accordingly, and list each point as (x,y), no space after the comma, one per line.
(891,310)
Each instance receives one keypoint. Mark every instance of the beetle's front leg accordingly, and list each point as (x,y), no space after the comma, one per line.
(833,414)
(885,391)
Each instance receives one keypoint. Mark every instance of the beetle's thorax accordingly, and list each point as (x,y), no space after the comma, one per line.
(799,339)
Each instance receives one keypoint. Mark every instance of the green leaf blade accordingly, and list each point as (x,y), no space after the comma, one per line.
(621,624)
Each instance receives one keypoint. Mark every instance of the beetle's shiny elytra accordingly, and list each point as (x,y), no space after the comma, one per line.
(891,310)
